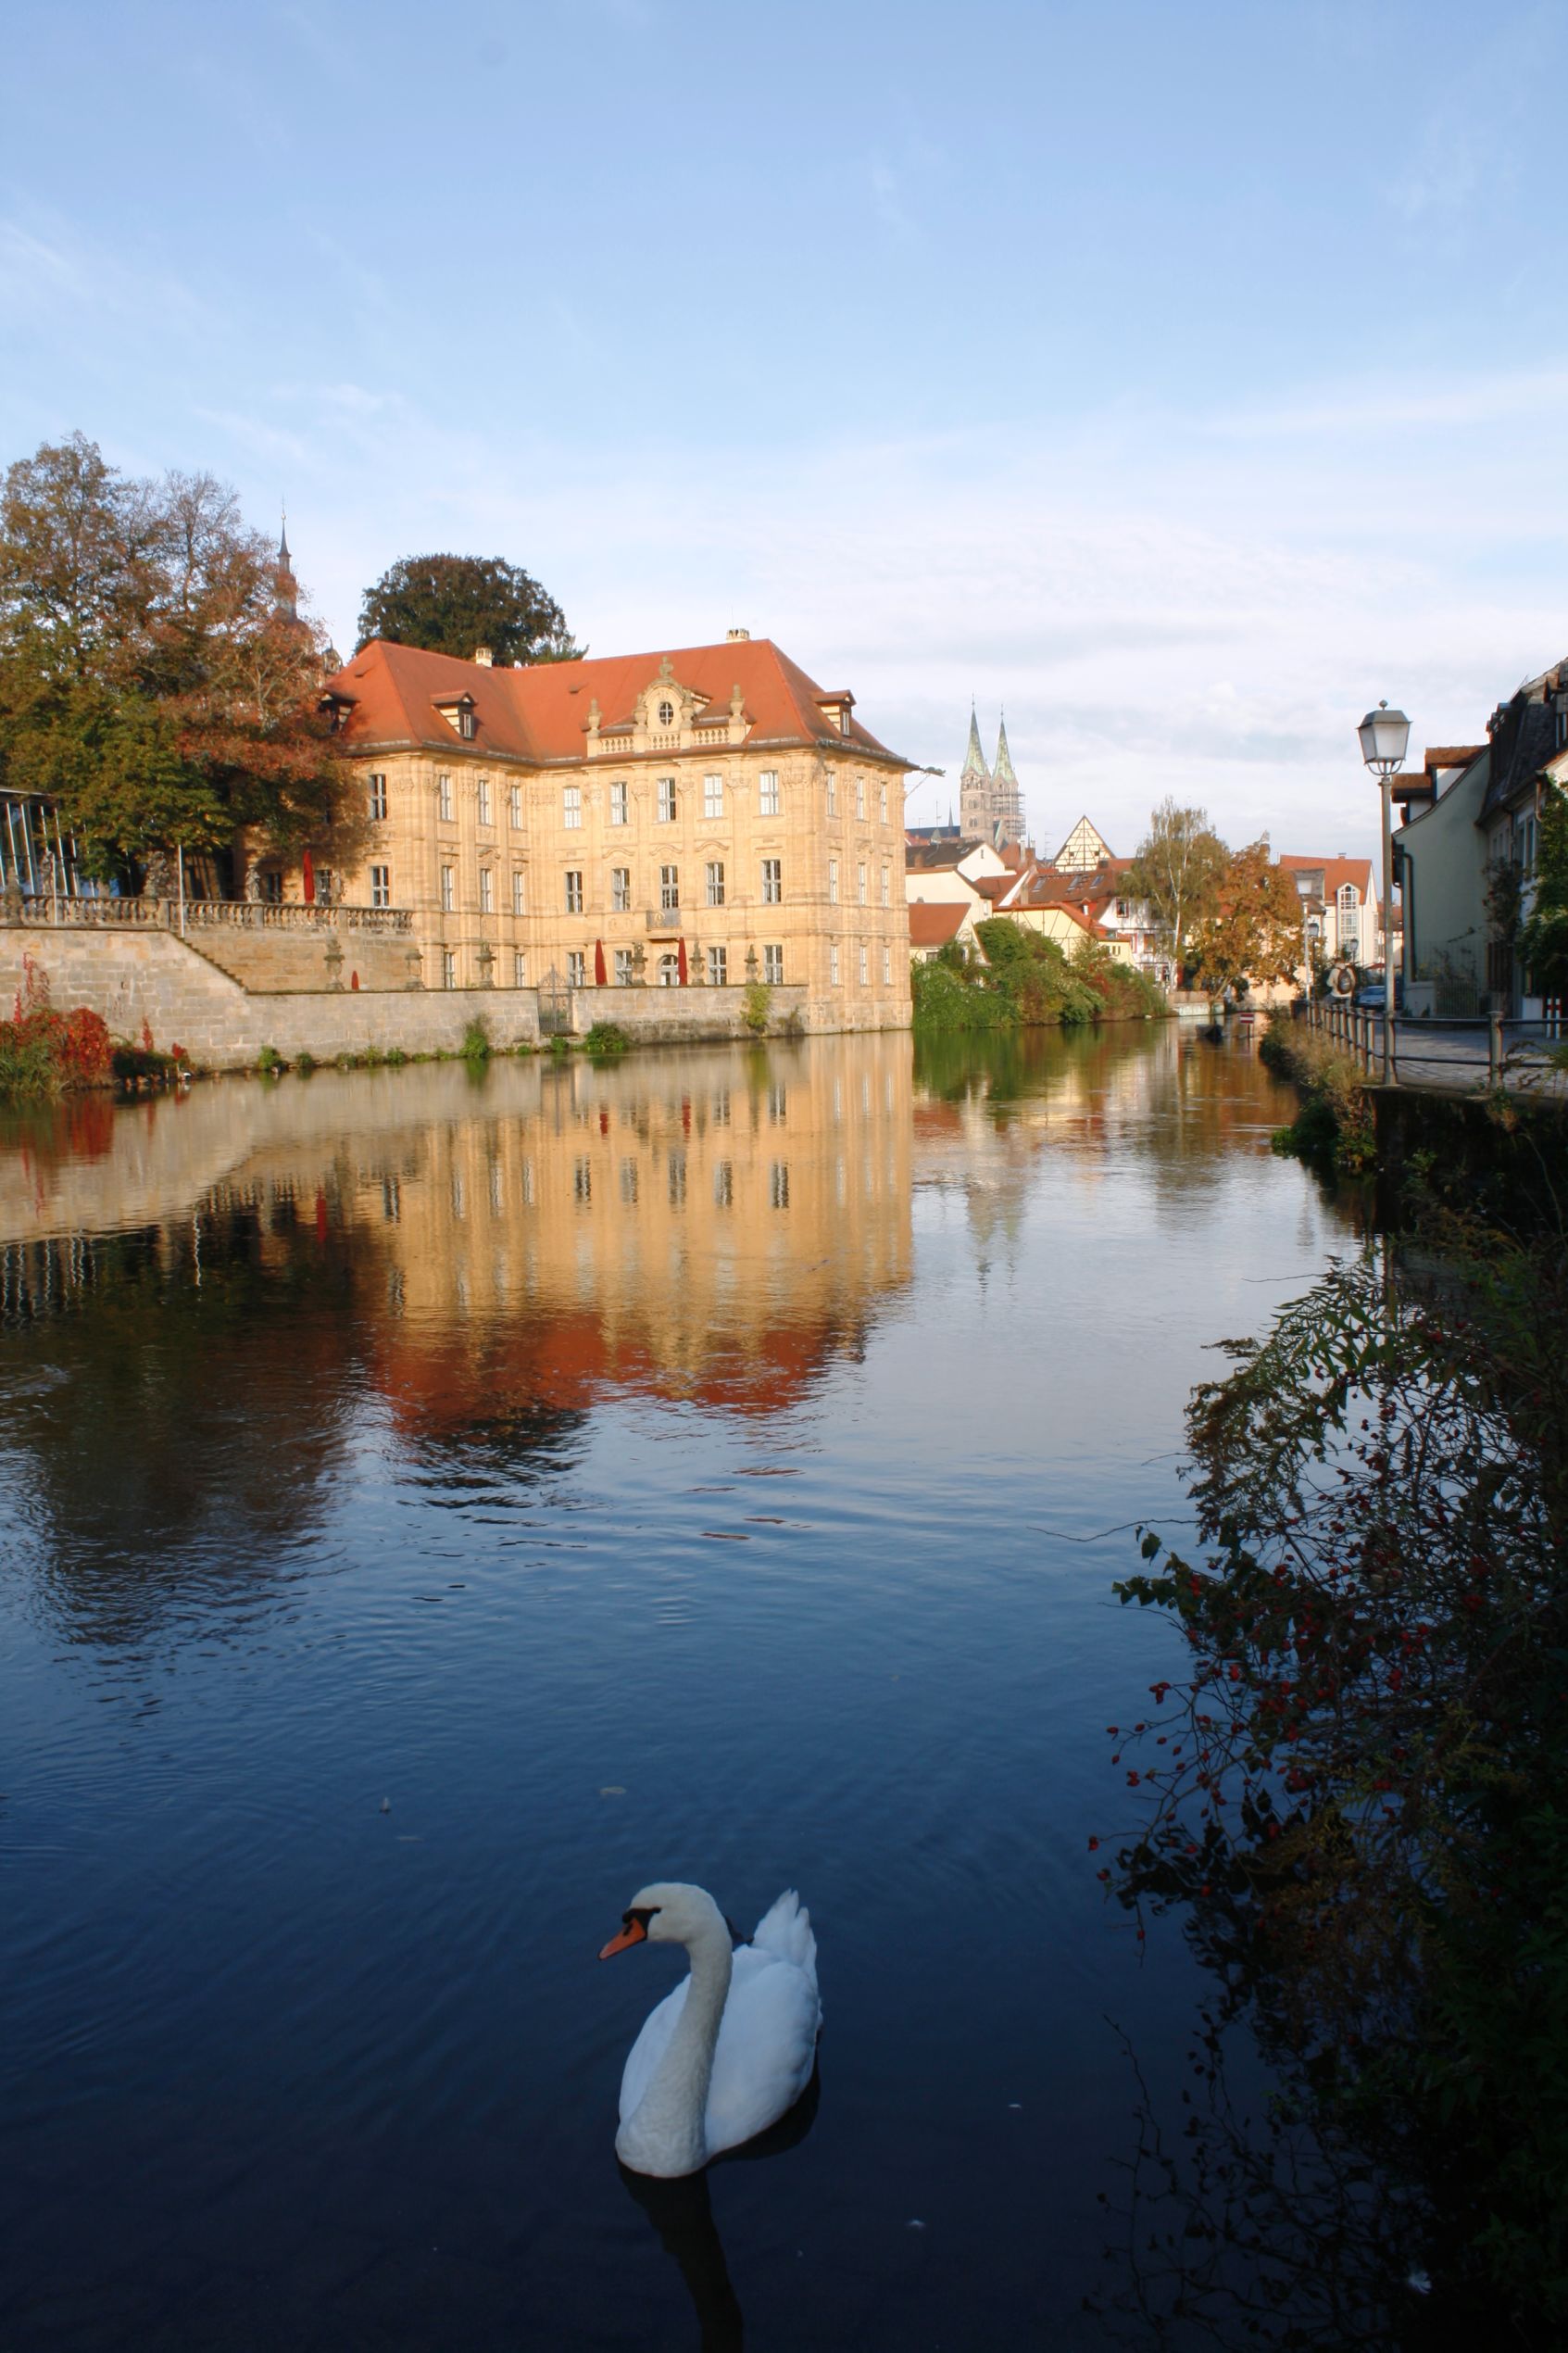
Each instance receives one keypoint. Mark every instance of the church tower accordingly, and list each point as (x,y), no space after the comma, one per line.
(286,598)
(1007,793)
(974,787)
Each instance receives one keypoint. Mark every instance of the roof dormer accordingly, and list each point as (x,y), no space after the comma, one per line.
(458,712)
(837,708)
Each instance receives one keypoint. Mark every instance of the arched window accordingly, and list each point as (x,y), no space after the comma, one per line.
(669,972)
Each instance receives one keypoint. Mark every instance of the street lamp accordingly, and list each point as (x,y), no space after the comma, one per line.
(1384,734)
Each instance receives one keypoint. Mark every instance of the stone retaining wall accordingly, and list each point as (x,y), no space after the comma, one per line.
(131,977)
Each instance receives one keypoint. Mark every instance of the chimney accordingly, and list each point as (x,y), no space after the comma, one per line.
(484,657)
(737,637)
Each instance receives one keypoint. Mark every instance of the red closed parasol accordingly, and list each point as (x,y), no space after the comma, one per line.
(599,963)
(682,966)
(309,868)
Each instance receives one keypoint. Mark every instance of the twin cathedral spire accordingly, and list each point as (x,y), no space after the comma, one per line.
(990,800)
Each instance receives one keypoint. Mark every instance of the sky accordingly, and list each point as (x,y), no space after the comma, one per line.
(1180,378)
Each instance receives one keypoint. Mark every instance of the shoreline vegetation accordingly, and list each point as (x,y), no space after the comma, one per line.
(1353,1793)
(1026,982)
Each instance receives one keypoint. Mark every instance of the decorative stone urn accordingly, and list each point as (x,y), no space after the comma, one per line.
(486,961)
(334,962)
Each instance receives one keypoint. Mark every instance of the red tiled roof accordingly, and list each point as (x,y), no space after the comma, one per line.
(541,713)
(1336,870)
(933,922)
(1449,755)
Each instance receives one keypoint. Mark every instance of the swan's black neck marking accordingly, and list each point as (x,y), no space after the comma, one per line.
(642,1916)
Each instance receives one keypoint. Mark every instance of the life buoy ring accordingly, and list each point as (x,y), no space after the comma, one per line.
(1342,980)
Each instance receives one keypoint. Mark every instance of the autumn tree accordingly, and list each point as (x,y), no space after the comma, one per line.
(1252,934)
(154,680)
(454,604)
(1174,871)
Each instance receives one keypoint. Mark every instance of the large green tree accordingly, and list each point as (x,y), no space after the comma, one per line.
(155,679)
(1175,870)
(454,604)
(1543,937)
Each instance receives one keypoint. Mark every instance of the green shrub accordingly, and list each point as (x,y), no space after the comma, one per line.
(558,1045)
(396,1057)
(269,1062)
(606,1037)
(756,1005)
(476,1046)
(1334,1124)
(305,1063)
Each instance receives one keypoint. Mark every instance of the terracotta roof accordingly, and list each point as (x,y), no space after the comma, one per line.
(933,922)
(540,714)
(1336,872)
(993,887)
(937,857)
(1449,755)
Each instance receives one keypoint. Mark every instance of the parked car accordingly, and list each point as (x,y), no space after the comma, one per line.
(1370,995)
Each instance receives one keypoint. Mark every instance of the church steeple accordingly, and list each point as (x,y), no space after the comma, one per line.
(287,587)
(1003,770)
(974,758)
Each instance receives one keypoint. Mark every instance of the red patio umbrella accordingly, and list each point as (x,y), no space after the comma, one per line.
(599,963)
(309,868)
(682,966)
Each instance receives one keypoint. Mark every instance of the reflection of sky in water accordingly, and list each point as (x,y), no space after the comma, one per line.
(721,1430)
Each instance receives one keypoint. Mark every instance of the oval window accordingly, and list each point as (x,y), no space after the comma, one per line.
(667,714)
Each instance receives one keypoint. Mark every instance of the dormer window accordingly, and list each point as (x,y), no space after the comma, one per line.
(835,709)
(458,714)
(667,714)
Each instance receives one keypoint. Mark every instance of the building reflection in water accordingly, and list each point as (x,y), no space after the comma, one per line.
(229,1280)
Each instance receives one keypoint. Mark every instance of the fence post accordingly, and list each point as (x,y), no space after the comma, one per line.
(1494,1048)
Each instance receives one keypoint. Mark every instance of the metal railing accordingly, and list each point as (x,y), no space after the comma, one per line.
(1461,1054)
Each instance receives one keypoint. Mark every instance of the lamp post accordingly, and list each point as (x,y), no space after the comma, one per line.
(1384,734)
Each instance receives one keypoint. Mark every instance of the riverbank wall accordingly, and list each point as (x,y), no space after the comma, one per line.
(1502,1159)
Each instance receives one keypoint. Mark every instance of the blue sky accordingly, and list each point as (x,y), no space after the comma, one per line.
(1182,377)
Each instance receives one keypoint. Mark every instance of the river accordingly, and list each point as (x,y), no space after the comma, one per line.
(437,1502)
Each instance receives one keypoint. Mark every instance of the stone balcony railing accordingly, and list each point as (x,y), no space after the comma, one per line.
(198,914)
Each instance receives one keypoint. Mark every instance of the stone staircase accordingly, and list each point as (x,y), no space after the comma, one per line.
(269,963)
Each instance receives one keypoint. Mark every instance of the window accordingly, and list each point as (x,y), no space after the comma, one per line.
(881,803)
(623,968)
(667,801)
(519,891)
(886,885)
(519,968)
(486,891)
(574,890)
(773,967)
(887,967)
(514,809)
(669,972)
(669,889)
(833,794)
(376,805)
(723,1184)
(719,1111)
(719,967)
(865,966)
(621,889)
(859,796)
(778,1184)
(448,968)
(444,799)
(380,885)
(861,882)
(576,968)
(448,889)
(832,882)
(772,882)
(465,722)
(767,796)
(667,714)
(713,796)
(715,878)
(618,809)
(484,791)
(833,965)
(572,807)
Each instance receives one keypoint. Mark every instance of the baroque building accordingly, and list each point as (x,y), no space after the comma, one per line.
(710,816)
(990,800)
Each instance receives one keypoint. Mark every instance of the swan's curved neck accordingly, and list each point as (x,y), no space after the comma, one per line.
(671,2115)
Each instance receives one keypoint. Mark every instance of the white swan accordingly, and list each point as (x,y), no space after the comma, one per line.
(731,2050)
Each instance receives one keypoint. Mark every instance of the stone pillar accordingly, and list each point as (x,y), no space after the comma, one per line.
(486,961)
(334,961)
(416,977)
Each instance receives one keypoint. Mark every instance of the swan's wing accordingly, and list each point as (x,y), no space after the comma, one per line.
(767,2047)
(785,1931)
(649,2048)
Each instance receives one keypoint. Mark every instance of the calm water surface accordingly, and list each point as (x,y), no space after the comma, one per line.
(433,1506)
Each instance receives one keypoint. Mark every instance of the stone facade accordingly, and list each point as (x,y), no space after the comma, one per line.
(621,816)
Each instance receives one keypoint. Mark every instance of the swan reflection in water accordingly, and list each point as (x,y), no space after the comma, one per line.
(681,2212)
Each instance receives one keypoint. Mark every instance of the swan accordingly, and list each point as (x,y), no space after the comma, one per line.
(731,2050)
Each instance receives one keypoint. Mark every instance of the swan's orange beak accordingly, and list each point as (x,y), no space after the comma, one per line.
(633,1934)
